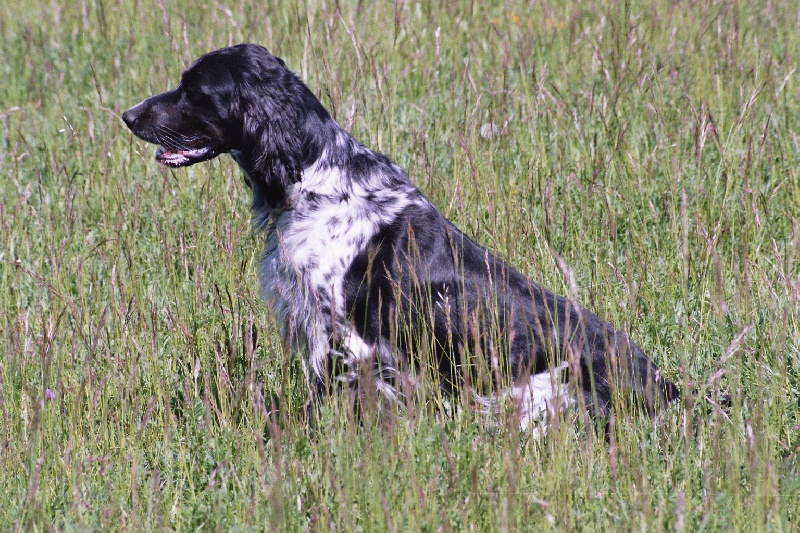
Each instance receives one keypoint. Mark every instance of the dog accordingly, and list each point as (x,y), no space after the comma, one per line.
(364,274)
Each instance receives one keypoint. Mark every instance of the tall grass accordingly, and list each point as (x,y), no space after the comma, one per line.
(647,147)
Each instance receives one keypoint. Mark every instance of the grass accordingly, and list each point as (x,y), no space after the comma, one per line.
(650,146)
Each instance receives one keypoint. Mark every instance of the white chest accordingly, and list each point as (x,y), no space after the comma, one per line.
(310,251)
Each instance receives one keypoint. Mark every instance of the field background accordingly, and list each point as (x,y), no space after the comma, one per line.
(645,161)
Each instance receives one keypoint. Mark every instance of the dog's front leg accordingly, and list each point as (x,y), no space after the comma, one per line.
(317,371)
(332,364)
(344,362)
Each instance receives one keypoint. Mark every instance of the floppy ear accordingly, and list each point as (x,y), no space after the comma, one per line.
(271,143)
(284,127)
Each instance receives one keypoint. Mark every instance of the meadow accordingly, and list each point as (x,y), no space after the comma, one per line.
(639,156)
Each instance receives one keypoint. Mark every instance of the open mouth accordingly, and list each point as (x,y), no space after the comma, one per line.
(181,157)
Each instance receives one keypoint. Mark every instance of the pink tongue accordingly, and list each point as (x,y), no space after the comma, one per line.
(179,157)
(173,158)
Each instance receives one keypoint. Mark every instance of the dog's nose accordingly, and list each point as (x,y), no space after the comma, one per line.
(129,117)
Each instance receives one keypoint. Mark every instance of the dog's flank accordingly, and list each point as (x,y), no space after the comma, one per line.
(365,275)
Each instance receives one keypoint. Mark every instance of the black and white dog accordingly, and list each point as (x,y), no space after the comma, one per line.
(365,275)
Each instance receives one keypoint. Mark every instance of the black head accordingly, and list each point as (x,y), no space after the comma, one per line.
(191,122)
(243,100)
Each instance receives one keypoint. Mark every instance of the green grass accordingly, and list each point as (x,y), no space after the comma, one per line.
(651,145)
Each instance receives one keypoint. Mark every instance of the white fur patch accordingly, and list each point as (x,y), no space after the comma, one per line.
(535,401)
(541,398)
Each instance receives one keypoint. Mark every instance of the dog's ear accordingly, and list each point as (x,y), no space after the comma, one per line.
(284,127)
(271,143)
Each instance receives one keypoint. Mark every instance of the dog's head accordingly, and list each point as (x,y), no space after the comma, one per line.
(242,100)
(192,122)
